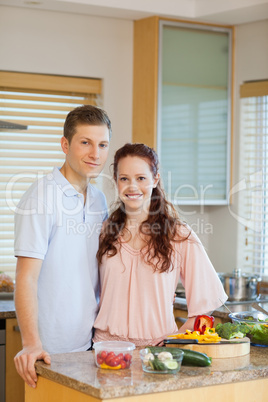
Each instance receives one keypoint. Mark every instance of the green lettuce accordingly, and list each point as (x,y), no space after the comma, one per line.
(259,334)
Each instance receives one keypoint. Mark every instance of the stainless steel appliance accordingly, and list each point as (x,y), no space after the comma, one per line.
(2,360)
(239,286)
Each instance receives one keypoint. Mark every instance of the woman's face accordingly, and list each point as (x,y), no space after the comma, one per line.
(135,183)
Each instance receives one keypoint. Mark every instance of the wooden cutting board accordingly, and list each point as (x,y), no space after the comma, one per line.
(219,351)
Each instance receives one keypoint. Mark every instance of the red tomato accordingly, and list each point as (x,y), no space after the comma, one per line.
(127,357)
(109,357)
(114,362)
(128,364)
(99,359)
(123,364)
(103,354)
(120,356)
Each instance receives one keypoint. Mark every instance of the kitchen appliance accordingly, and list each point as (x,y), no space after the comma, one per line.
(240,286)
(2,360)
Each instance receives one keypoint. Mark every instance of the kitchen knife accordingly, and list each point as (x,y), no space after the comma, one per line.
(195,341)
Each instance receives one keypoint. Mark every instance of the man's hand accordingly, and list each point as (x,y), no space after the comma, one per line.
(25,360)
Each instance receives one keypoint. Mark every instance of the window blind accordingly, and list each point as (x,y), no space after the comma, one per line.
(253,197)
(29,154)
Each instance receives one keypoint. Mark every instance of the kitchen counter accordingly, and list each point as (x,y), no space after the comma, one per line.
(77,372)
(222,312)
(7,309)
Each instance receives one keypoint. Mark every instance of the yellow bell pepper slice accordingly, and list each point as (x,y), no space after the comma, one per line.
(105,366)
(209,336)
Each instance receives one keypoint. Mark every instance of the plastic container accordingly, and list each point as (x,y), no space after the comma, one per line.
(113,355)
(161,363)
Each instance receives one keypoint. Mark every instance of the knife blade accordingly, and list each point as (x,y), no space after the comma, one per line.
(195,341)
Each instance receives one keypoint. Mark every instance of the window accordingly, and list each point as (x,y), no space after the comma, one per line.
(41,102)
(253,185)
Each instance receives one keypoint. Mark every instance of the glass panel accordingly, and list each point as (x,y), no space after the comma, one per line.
(193,142)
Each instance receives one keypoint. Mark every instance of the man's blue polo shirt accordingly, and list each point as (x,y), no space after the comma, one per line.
(53,224)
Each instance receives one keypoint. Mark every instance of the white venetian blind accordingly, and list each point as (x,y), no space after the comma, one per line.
(253,197)
(41,103)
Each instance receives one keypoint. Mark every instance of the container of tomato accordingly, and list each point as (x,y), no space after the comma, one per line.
(113,355)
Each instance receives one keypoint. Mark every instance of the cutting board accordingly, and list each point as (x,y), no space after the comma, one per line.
(219,351)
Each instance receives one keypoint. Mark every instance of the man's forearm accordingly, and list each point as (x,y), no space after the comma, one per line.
(26,302)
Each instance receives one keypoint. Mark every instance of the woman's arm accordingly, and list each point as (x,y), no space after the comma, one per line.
(189,324)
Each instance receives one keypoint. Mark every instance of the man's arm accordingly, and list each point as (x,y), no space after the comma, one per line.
(27,273)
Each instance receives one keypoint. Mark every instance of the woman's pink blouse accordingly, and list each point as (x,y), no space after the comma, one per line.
(136,303)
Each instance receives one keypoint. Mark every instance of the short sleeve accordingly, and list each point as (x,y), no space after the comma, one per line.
(33,222)
(203,288)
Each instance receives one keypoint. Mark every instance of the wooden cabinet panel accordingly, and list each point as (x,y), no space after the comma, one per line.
(145,81)
(14,383)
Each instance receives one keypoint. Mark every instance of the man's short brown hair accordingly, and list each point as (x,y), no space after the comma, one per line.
(85,115)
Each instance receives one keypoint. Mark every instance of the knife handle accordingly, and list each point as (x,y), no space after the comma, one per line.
(180,341)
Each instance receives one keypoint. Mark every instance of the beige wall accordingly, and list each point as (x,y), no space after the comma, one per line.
(77,45)
(71,44)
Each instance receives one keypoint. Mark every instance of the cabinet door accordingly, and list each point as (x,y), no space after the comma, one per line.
(14,383)
(194,112)
(182,97)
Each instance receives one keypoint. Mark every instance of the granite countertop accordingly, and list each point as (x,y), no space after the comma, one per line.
(78,371)
(7,309)
(222,312)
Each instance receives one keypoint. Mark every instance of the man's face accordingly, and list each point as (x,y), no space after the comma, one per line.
(87,152)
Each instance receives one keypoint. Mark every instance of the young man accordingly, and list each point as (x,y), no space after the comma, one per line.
(57,226)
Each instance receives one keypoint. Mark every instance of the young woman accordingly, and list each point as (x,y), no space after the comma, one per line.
(145,249)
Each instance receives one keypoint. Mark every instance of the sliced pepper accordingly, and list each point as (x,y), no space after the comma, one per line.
(202,322)
(103,365)
(209,336)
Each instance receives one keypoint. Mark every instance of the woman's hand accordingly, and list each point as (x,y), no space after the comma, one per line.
(189,324)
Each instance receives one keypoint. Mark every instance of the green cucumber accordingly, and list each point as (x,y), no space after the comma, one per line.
(158,365)
(190,357)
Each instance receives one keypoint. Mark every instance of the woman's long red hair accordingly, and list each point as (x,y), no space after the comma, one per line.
(159,230)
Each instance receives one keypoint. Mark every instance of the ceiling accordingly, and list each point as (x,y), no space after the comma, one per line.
(230,12)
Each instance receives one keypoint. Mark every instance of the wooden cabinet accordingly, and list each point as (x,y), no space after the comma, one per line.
(262,287)
(14,383)
(182,92)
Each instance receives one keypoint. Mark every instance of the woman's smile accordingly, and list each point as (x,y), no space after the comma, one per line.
(133,196)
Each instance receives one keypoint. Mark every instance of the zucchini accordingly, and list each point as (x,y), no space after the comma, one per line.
(190,357)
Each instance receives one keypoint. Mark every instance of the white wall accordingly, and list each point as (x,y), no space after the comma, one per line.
(76,45)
